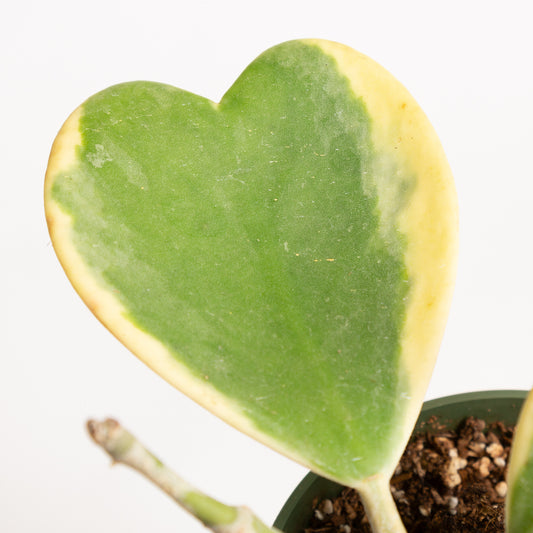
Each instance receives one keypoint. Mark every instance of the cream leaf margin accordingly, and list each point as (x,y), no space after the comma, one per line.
(110,312)
(401,129)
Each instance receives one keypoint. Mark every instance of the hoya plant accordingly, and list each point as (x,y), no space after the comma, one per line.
(285,257)
(519,501)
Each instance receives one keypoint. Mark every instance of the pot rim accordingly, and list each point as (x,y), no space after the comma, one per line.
(512,394)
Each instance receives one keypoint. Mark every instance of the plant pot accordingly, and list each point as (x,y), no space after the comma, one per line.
(450,411)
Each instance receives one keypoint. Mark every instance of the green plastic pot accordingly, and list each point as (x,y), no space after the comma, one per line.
(450,410)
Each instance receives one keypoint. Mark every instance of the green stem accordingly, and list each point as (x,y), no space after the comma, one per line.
(380,507)
(124,448)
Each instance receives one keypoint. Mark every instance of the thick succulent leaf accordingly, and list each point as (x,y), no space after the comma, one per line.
(519,504)
(284,257)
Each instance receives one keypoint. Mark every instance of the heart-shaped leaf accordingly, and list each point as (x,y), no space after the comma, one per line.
(284,257)
(519,502)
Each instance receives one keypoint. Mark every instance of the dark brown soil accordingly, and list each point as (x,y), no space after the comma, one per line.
(447,481)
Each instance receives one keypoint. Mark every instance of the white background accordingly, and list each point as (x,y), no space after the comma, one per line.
(468,63)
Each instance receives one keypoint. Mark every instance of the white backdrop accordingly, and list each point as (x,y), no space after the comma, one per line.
(467,62)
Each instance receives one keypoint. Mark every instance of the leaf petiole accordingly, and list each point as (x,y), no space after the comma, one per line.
(124,448)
